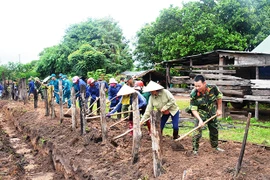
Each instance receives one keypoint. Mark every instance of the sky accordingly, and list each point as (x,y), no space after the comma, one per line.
(29,26)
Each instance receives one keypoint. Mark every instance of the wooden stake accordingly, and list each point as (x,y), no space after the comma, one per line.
(82,109)
(156,145)
(137,133)
(103,113)
(73,107)
(205,122)
(61,100)
(47,110)
(238,166)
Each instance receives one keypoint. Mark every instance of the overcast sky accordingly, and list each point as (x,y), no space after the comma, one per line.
(29,26)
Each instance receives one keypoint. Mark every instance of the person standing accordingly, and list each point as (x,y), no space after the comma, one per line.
(66,90)
(114,88)
(162,100)
(77,84)
(31,87)
(94,93)
(54,82)
(38,86)
(205,102)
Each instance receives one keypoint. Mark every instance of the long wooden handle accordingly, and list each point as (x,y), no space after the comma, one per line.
(196,128)
(129,130)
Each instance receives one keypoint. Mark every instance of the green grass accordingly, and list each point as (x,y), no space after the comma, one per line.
(256,135)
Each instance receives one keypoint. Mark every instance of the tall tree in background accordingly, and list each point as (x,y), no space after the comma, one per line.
(93,44)
(202,26)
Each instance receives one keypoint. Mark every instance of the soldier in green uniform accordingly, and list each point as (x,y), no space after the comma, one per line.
(205,102)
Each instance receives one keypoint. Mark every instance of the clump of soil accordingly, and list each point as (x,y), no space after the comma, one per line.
(87,157)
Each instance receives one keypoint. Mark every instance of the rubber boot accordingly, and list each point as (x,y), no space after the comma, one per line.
(148,126)
(130,127)
(175,134)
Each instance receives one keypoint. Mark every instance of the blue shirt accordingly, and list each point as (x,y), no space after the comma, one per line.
(66,85)
(31,86)
(94,90)
(55,84)
(113,90)
(142,102)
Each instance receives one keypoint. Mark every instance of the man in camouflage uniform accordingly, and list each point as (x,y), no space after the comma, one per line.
(205,102)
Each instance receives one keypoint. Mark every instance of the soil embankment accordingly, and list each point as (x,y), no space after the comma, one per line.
(69,155)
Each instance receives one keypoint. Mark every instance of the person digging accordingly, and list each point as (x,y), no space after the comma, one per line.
(162,100)
(205,102)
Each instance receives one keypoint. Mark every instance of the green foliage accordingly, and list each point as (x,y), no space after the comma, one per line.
(200,27)
(99,74)
(87,46)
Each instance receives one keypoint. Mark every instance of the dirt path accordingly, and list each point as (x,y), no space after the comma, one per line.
(86,157)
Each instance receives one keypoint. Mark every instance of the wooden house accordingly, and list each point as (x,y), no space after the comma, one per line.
(241,76)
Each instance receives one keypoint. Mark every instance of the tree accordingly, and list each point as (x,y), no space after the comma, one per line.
(202,26)
(87,46)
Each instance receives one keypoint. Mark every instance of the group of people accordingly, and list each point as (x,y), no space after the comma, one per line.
(205,102)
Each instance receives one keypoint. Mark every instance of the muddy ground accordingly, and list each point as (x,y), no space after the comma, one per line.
(61,153)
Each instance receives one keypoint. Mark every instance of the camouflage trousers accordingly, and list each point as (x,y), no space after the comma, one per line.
(213,134)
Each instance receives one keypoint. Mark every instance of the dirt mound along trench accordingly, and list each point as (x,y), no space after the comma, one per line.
(86,157)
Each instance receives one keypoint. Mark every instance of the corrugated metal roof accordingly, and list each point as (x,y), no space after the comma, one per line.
(264,46)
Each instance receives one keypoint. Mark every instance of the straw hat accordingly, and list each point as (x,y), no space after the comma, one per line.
(125,90)
(152,86)
(112,80)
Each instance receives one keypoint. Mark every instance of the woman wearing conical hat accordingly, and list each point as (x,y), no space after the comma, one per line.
(162,100)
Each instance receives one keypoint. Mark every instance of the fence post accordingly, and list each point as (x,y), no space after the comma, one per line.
(137,133)
(156,139)
(47,110)
(103,112)
(82,109)
(73,109)
(24,91)
(61,100)
(52,102)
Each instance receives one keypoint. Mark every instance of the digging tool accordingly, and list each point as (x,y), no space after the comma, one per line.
(141,123)
(196,128)
(93,103)
(99,107)
(121,120)
(66,113)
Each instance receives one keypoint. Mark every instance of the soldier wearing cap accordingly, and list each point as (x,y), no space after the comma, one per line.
(38,87)
(163,101)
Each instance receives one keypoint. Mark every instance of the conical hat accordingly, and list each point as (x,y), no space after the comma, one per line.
(125,90)
(152,86)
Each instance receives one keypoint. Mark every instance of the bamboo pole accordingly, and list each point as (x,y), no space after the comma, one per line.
(238,166)
(196,128)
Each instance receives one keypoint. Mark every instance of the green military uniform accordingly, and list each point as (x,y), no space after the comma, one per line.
(206,106)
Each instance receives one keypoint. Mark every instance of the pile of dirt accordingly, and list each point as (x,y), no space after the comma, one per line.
(87,157)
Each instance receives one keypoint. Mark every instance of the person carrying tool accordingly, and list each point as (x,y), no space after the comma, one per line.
(139,85)
(54,82)
(162,100)
(205,101)
(94,93)
(66,90)
(31,87)
(38,87)
(112,94)
(126,90)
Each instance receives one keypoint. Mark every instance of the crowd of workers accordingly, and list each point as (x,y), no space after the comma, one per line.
(205,101)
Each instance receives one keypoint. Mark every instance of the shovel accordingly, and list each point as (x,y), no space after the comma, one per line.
(196,128)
